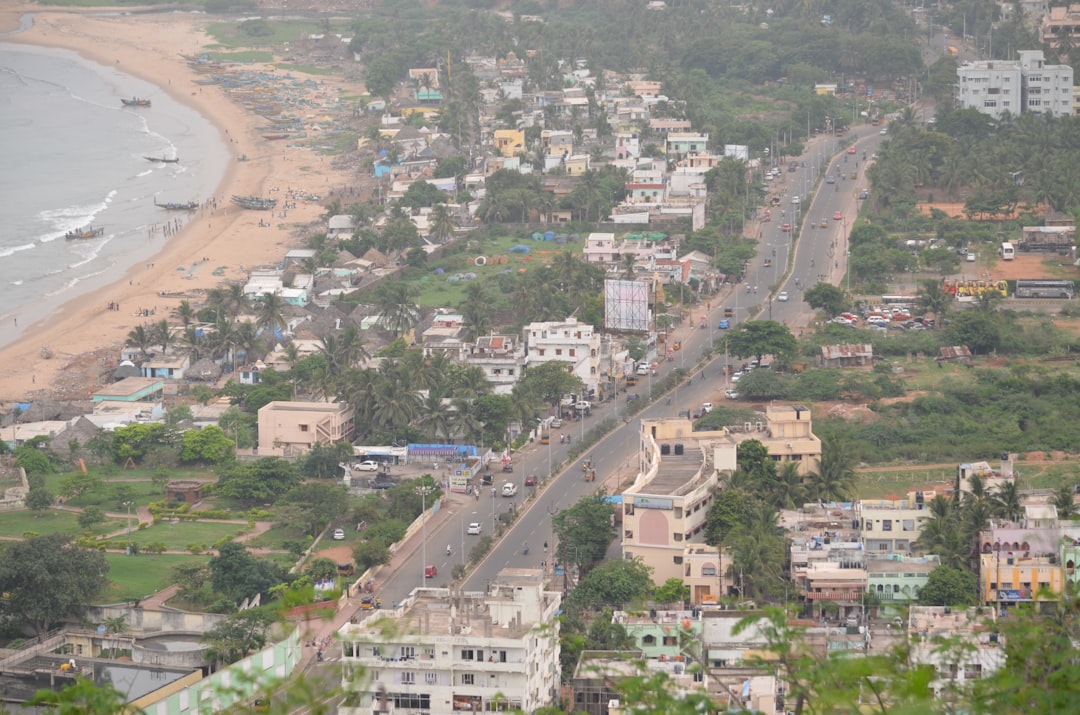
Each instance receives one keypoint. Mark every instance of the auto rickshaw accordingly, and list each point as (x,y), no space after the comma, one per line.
(677,345)
(590,475)
(545,438)
(430,571)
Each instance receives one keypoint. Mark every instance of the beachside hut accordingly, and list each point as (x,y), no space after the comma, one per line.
(204,370)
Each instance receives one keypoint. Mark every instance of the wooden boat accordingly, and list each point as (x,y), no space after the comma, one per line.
(135,102)
(177,206)
(275,137)
(162,159)
(255,203)
(80,233)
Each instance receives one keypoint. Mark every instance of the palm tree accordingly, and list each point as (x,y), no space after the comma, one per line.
(789,490)
(394,407)
(235,300)
(835,473)
(933,298)
(140,338)
(398,312)
(1005,502)
(270,314)
(628,260)
(185,313)
(435,416)
(441,223)
(464,422)
(244,337)
(194,340)
(161,334)
(1063,500)
(757,554)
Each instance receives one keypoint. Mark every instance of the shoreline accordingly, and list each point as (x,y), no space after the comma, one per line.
(83,335)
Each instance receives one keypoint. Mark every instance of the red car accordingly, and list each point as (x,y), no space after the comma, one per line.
(530,480)
(851,150)
(838,216)
(786,227)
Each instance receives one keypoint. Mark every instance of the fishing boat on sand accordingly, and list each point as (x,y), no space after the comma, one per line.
(254,203)
(135,102)
(162,159)
(177,206)
(275,137)
(88,232)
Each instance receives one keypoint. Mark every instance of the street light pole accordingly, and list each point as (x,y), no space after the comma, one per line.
(423,490)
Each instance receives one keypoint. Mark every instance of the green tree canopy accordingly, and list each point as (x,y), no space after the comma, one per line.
(757,338)
(948,586)
(584,532)
(46,578)
(236,574)
(611,584)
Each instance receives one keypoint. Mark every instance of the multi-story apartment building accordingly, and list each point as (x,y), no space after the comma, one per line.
(664,635)
(896,579)
(664,511)
(501,357)
(961,645)
(443,652)
(292,428)
(994,87)
(1008,580)
(568,341)
(890,526)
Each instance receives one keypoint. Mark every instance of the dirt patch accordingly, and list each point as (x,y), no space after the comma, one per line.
(337,554)
(908,397)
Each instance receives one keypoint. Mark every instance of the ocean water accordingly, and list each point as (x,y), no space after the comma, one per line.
(72,157)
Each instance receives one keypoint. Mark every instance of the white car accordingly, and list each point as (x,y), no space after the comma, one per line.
(643,369)
(509,489)
(474,528)
(706,407)
(841,320)
(731,394)
(883,131)
(782,297)
(736,377)
(795,200)
(368,465)
(583,406)
(339,534)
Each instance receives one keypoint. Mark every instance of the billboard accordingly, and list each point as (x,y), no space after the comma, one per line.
(626,305)
(736,151)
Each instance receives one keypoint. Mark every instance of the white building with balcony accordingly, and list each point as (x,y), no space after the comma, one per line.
(994,87)
(444,652)
(889,526)
(569,341)
(501,357)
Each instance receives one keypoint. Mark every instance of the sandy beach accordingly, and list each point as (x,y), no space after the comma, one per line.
(84,335)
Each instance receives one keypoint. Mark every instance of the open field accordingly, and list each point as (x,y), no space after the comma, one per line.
(50,521)
(895,482)
(445,289)
(177,536)
(135,577)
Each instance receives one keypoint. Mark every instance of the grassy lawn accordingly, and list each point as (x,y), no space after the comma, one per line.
(178,536)
(449,288)
(260,33)
(50,521)
(136,577)
(140,493)
(276,537)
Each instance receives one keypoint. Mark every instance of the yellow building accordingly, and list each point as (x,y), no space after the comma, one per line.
(1009,580)
(509,142)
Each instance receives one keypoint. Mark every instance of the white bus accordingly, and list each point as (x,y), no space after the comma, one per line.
(1045,289)
(1007,251)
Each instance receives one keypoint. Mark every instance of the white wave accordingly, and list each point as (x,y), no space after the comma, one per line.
(74,282)
(144,173)
(16,283)
(68,218)
(5,252)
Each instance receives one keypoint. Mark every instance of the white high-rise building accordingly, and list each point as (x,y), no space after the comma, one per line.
(994,87)
(443,652)
(569,341)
